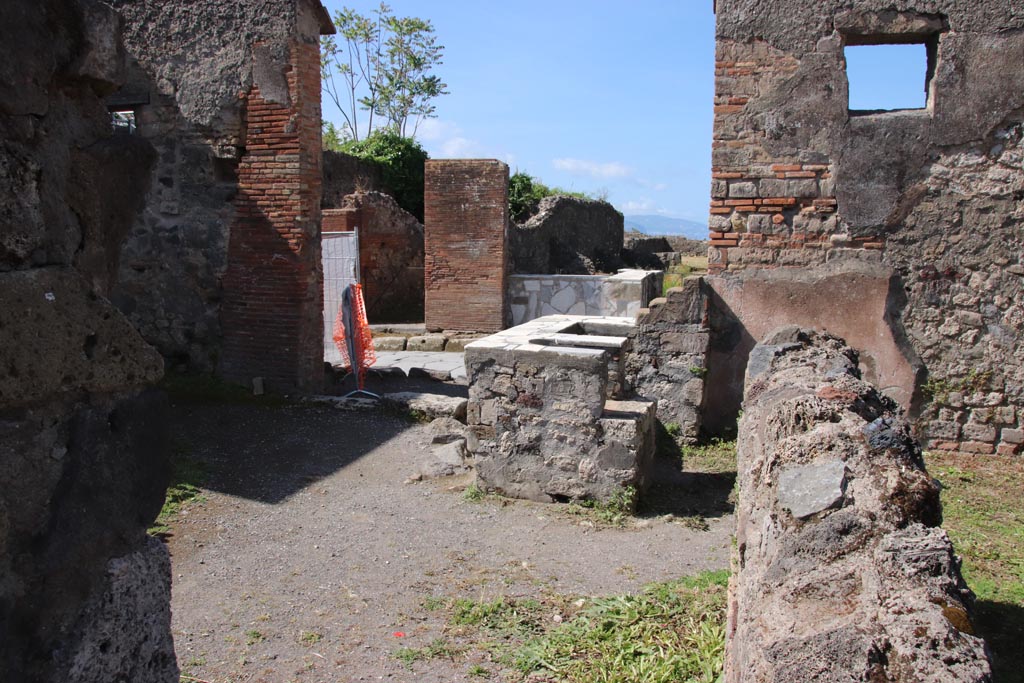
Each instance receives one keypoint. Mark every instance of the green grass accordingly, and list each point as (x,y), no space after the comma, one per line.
(670,632)
(983,513)
(690,265)
(714,456)
(439,647)
(187,478)
(616,512)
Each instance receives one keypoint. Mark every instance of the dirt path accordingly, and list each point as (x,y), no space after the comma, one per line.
(310,552)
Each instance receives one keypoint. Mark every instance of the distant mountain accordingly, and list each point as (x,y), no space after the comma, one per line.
(666,225)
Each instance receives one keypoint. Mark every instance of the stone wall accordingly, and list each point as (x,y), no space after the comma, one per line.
(546,410)
(932,194)
(567,236)
(622,294)
(205,81)
(84,592)
(667,360)
(345,174)
(390,254)
(465,237)
(841,572)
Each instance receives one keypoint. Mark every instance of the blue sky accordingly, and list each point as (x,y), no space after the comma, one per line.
(595,95)
(588,95)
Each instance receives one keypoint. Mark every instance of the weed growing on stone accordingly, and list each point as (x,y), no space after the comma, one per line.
(983,514)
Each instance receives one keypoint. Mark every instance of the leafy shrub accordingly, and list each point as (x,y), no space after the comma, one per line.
(525,192)
(401,160)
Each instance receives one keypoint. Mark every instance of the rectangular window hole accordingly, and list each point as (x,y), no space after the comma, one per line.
(888,77)
(123,121)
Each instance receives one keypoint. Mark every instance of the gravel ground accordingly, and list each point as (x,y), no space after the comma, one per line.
(310,552)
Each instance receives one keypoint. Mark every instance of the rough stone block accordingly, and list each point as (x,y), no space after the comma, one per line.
(809,489)
(389,343)
(425,342)
(973,431)
(1012,436)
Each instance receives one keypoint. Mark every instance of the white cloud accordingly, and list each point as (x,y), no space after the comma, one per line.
(644,205)
(444,140)
(657,187)
(604,171)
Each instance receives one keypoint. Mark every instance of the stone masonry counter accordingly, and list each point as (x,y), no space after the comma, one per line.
(545,405)
(841,570)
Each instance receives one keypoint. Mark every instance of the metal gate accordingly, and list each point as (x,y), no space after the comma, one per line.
(341,268)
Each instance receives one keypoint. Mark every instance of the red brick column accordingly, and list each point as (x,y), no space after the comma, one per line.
(465,238)
(273,296)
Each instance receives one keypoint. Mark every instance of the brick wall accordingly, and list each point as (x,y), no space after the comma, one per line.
(273,298)
(929,198)
(465,244)
(770,207)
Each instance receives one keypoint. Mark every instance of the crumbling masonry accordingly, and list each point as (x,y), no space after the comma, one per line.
(898,231)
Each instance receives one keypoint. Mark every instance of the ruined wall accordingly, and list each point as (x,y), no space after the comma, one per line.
(84,592)
(197,69)
(465,242)
(667,359)
(841,571)
(345,174)
(932,194)
(568,235)
(390,254)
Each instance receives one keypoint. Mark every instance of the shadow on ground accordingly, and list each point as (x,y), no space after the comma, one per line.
(269,447)
(1001,624)
(684,493)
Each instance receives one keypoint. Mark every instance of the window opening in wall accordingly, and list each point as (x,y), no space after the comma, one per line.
(123,121)
(887,77)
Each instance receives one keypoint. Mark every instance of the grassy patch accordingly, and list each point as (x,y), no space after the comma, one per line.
(690,265)
(616,512)
(714,456)
(672,631)
(187,478)
(439,647)
(983,513)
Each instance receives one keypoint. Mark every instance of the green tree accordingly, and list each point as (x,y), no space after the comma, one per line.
(381,65)
(401,160)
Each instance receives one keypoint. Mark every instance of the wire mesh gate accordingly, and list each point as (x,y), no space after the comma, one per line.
(341,268)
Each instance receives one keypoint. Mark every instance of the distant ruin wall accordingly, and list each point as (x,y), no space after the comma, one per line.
(568,236)
(465,244)
(841,571)
(934,194)
(84,592)
(345,174)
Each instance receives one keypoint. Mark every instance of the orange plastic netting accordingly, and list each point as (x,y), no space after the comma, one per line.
(363,347)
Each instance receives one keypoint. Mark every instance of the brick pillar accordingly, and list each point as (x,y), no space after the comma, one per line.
(465,236)
(273,297)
